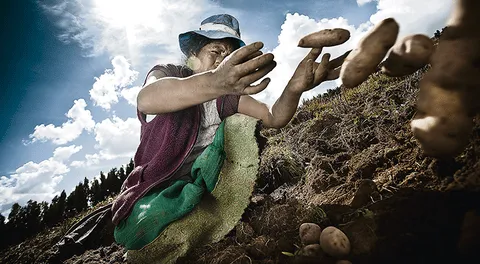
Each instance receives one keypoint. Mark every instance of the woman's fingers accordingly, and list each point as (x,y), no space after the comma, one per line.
(258,74)
(337,62)
(321,69)
(253,55)
(309,72)
(254,64)
(333,74)
(239,56)
(313,54)
(254,89)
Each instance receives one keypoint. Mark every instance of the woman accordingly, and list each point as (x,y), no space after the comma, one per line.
(182,108)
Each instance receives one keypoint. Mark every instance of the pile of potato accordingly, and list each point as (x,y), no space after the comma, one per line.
(330,240)
(449,95)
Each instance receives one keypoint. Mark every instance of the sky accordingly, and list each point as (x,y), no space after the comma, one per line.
(70,72)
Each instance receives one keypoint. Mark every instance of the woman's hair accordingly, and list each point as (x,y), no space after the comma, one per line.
(198,42)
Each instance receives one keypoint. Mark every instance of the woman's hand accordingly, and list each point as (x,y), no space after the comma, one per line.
(243,67)
(310,74)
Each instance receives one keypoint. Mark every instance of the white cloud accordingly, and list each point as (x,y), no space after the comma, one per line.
(288,55)
(124,27)
(362,2)
(117,138)
(77,164)
(36,181)
(79,119)
(106,87)
(131,95)
(413,16)
(90,159)
(64,153)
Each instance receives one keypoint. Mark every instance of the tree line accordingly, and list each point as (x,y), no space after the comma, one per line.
(26,221)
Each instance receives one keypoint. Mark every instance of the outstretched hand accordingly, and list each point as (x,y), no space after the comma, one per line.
(243,67)
(310,74)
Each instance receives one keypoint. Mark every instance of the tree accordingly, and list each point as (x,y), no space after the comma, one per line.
(112,182)
(70,205)
(130,167)
(103,186)
(16,223)
(122,175)
(62,203)
(3,231)
(80,198)
(86,190)
(14,215)
(95,194)
(32,218)
(44,214)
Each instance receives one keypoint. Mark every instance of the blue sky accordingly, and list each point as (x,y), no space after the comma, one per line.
(71,69)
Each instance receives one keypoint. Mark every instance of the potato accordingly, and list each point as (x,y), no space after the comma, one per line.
(309,233)
(343,262)
(334,242)
(450,91)
(312,250)
(441,125)
(325,38)
(370,51)
(409,55)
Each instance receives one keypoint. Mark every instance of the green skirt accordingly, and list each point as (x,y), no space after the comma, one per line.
(220,206)
(161,206)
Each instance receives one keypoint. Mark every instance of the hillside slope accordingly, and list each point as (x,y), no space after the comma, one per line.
(347,159)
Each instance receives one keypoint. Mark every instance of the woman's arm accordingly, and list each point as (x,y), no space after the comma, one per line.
(234,75)
(308,75)
(163,94)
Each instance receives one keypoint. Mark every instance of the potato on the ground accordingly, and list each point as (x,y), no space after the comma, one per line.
(343,262)
(450,92)
(409,55)
(325,38)
(312,250)
(370,51)
(334,242)
(309,233)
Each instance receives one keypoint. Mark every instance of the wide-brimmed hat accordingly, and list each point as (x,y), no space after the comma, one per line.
(215,27)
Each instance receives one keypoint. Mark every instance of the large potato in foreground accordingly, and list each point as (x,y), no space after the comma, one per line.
(409,55)
(450,92)
(370,51)
(334,242)
(325,38)
(441,125)
(309,233)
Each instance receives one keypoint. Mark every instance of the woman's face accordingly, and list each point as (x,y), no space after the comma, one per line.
(210,56)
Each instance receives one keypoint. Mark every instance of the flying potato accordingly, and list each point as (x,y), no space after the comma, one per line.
(409,55)
(450,92)
(325,38)
(370,51)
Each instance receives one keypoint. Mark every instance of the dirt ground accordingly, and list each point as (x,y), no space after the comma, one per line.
(348,159)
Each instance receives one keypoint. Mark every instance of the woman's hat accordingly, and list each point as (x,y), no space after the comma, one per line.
(214,27)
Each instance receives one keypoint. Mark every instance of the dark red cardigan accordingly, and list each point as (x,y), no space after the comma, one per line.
(165,142)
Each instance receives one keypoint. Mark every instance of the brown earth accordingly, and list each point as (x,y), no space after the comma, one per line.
(347,159)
